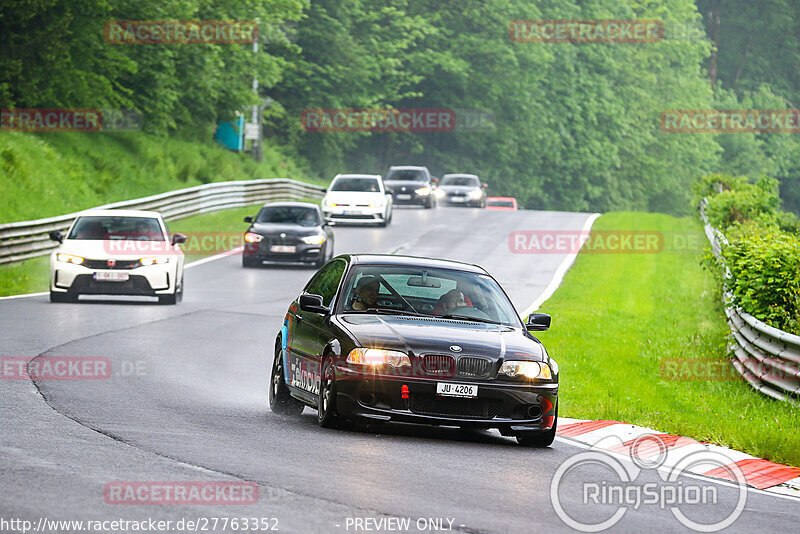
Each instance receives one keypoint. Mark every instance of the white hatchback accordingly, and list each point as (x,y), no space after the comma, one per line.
(117,252)
(357,198)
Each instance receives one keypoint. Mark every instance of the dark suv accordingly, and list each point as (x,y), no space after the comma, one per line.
(410,185)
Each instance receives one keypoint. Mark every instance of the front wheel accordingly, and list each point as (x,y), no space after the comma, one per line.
(326,405)
(55,296)
(280,400)
(539,439)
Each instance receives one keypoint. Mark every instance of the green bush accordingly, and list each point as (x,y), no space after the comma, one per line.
(745,203)
(765,275)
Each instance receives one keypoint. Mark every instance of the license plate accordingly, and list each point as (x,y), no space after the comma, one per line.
(351,212)
(447,389)
(458,199)
(403,197)
(111,277)
(289,249)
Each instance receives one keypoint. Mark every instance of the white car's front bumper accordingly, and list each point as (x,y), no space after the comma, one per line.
(354,214)
(159,279)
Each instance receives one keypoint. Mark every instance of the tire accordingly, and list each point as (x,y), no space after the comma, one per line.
(323,257)
(248,262)
(326,405)
(55,296)
(281,401)
(539,440)
(429,204)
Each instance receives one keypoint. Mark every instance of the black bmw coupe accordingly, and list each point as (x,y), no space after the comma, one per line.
(416,340)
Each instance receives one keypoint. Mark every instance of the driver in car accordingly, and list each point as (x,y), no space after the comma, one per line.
(366,293)
(451,300)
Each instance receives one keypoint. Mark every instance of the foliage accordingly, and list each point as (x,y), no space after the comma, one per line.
(746,203)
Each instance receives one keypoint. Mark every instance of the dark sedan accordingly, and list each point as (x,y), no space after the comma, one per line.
(411,185)
(397,338)
(287,232)
(461,190)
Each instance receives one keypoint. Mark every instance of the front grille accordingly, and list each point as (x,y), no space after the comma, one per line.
(473,367)
(428,404)
(439,364)
(120,264)
(342,216)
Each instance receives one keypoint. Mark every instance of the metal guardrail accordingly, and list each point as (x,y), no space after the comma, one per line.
(766,357)
(28,239)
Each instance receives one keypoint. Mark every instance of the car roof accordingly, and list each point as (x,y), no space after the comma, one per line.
(377,176)
(501,198)
(119,213)
(292,204)
(412,261)
(461,174)
(408,167)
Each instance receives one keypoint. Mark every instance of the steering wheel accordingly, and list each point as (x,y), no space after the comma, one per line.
(469,311)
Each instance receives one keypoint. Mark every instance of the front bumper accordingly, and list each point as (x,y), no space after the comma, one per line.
(354,214)
(412,199)
(303,254)
(461,201)
(508,407)
(148,280)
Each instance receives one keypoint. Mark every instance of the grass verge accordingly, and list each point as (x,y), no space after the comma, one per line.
(641,338)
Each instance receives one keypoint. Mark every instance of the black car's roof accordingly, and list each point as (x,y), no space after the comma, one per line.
(411,261)
(292,204)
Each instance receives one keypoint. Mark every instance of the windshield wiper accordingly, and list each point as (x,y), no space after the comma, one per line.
(396,311)
(468,318)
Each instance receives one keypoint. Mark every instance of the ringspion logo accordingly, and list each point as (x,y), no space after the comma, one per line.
(586,31)
(180,32)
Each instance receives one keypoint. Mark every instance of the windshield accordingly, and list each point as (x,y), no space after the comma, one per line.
(117,228)
(369,185)
(406,175)
(428,291)
(470,181)
(500,203)
(300,215)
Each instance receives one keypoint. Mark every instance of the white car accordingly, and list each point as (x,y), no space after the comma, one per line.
(117,252)
(357,198)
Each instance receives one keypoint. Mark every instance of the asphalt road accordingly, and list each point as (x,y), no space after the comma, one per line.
(187,401)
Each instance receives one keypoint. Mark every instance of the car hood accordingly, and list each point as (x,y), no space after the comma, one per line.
(398,185)
(288,229)
(97,249)
(432,335)
(458,188)
(353,197)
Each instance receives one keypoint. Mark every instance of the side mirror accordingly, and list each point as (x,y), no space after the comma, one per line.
(538,322)
(178,239)
(248,219)
(484,185)
(56,236)
(324,189)
(312,303)
(435,179)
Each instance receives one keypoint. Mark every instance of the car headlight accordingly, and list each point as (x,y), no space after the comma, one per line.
(250,237)
(424,191)
(374,357)
(313,239)
(329,203)
(377,203)
(154,260)
(439,193)
(475,193)
(69,258)
(527,369)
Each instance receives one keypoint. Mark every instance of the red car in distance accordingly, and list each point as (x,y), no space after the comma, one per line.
(501,203)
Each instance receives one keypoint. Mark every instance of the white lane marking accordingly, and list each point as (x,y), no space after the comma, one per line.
(24,295)
(213,258)
(187,266)
(558,275)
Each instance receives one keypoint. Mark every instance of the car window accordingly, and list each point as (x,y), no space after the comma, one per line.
(369,185)
(407,175)
(326,281)
(460,180)
(300,215)
(425,290)
(112,227)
